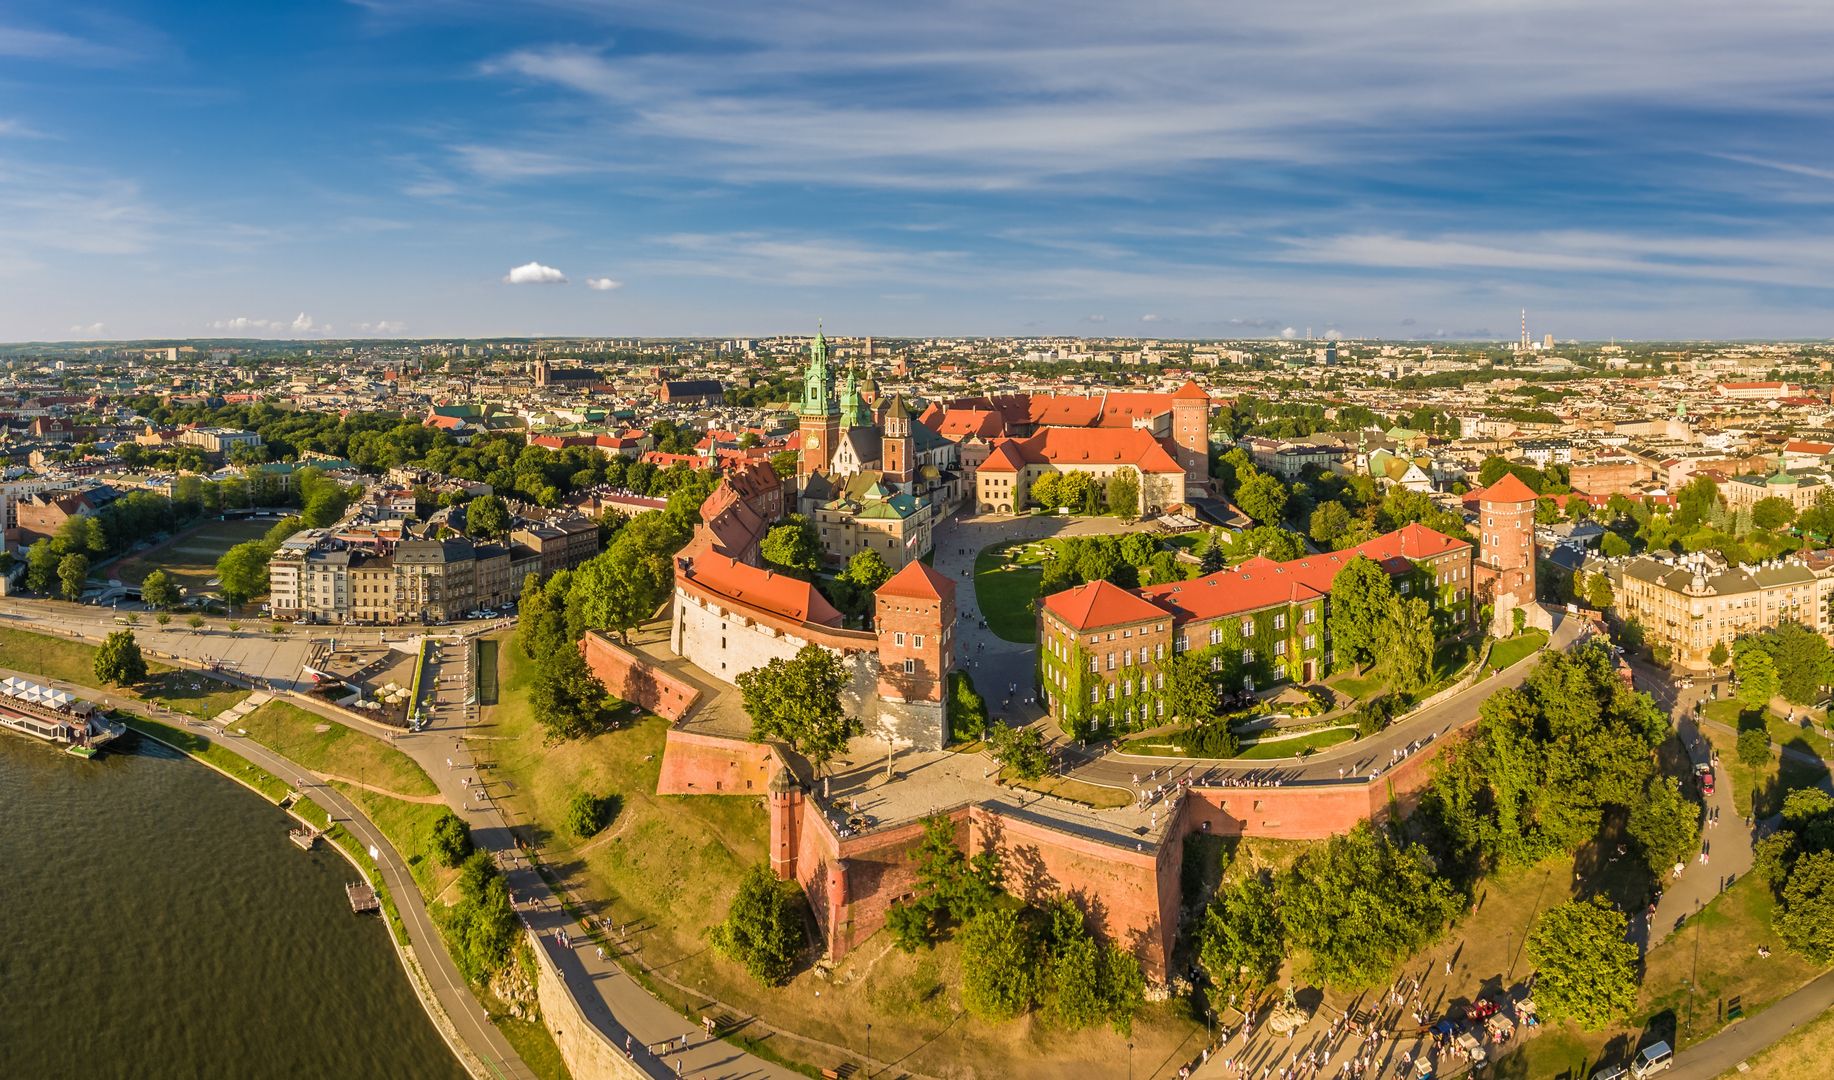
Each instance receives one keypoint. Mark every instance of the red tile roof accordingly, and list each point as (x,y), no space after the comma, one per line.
(1100,603)
(1190,391)
(1509,489)
(777,594)
(1089,446)
(918,582)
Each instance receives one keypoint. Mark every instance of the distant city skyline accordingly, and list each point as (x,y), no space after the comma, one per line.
(447,168)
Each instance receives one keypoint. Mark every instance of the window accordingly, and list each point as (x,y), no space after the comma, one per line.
(1184,643)
(1216,635)
(1311,641)
(1280,647)
(1094,665)
(1248,656)
(1406,587)
(1159,681)
(1159,651)
(910,667)
(918,641)
(1110,661)
(1095,695)
(1280,621)
(1127,657)
(1311,615)
(898,638)
(1248,628)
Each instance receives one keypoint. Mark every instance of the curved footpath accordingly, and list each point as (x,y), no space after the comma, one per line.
(464,1017)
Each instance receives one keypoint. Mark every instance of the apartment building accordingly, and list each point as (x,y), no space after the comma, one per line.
(1690,603)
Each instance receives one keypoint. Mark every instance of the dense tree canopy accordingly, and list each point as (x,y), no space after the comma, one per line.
(1358,903)
(1585,969)
(798,700)
(118,661)
(763,930)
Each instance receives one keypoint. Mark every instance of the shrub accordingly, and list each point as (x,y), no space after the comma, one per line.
(763,930)
(451,839)
(588,814)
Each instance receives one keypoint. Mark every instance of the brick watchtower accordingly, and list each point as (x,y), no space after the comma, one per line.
(1191,435)
(819,422)
(1506,549)
(914,616)
(786,823)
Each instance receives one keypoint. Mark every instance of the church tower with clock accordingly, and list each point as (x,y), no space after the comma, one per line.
(820,413)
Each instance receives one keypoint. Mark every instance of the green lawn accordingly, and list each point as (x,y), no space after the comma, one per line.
(191,693)
(1006,591)
(74,661)
(1765,785)
(1166,745)
(1063,787)
(190,559)
(1359,687)
(409,827)
(1285,748)
(1511,650)
(336,749)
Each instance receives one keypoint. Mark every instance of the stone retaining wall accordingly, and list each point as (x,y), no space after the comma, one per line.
(588,1053)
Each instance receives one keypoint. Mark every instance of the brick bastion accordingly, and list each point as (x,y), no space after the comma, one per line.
(1127,883)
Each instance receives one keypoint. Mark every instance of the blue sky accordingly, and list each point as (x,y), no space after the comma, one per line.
(1411,168)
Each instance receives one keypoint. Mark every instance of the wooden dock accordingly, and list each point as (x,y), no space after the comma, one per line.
(362,898)
(303,837)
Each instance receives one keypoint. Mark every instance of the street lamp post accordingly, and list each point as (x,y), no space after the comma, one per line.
(1130,1061)
(869,1068)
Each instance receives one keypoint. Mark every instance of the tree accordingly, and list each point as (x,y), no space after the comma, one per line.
(487,516)
(1697,500)
(118,661)
(567,698)
(242,571)
(1803,661)
(1329,521)
(793,546)
(195,622)
(999,964)
(1022,750)
(1806,918)
(1406,641)
(784,463)
(588,814)
(1269,542)
(1190,692)
(950,889)
(1665,825)
(762,931)
(1242,942)
(1211,561)
(1753,746)
(484,926)
(798,700)
(967,709)
(1585,970)
(868,570)
(1757,677)
(72,575)
(1719,655)
(158,590)
(1263,498)
(1772,513)
(1598,592)
(1359,903)
(451,840)
(1614,546)
(41,566)
(1362,597)
(1123,493)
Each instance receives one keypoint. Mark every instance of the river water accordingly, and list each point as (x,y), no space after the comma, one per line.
(156,923)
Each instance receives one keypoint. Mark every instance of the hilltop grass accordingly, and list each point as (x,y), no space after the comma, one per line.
(337,750)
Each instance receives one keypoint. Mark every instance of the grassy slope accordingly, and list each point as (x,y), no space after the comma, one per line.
(1513,649)
(337,749)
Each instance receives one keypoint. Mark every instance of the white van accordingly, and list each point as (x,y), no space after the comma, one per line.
(1652,1059)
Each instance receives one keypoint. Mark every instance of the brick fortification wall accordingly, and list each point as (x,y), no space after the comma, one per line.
(1130,891)
(632,679)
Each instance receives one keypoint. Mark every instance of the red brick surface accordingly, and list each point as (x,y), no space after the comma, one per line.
(628,677)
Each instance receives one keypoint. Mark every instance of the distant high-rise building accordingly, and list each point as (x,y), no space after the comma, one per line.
(1547,341)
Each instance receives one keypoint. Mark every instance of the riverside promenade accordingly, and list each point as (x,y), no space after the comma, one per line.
(484,1051)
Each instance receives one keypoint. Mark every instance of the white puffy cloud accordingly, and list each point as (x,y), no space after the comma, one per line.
(603,284)
(382,328)
(301,325)
(533,273)
(1149,317)
(1289,333)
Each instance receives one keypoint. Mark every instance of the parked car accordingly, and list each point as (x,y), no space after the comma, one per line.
(1652,1059)
(1704,775)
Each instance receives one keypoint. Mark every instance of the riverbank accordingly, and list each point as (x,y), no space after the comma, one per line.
(227,763)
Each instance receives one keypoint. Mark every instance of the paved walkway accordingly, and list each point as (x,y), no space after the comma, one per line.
(1721,1054)
(468,1018)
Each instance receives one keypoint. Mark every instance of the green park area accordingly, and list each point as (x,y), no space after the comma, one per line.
(73,661)
(190,558)
(1006,578)
(328,747)
(1168,744)
(1791,756)
(1510,651)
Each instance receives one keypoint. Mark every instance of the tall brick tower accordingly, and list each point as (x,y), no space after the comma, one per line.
(1191,434)
(1506,546)
(898,448)
(914,615)
(786,823)
(819,422)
